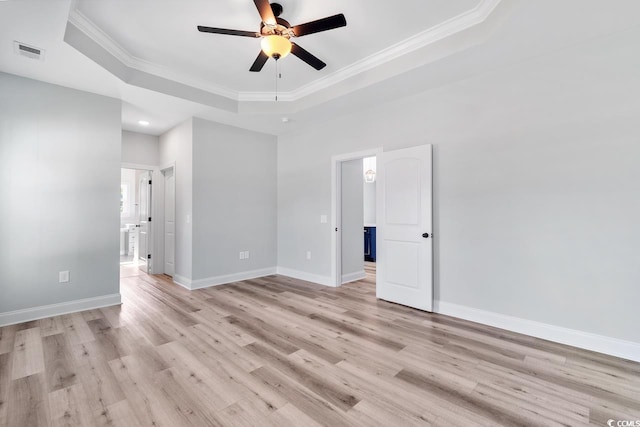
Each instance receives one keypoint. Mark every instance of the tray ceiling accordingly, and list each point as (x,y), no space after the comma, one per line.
(160,36)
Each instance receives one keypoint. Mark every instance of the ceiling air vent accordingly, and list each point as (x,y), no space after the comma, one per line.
(28,51)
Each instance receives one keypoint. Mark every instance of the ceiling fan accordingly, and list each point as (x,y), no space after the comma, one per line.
(276,34)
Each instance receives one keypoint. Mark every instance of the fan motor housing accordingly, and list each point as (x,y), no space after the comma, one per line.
(277,9)
(282,28)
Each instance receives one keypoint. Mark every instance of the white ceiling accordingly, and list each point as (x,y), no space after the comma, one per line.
(149,54)
(163,33)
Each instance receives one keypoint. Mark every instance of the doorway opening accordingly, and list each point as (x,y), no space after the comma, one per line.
(135,218)
(369,217)
(357,219)
(354,217)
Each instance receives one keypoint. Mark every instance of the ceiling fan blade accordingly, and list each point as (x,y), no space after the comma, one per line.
(266,13)
(228,32)
(324,24)
(307,57)
(259,62)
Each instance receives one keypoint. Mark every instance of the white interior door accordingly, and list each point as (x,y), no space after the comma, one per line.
(144,220)
(404,242)
(169,221)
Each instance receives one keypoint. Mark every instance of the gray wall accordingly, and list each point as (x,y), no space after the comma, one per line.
(352,218)
(140,149)
(536,186)
(59,209)
(176,147)
(234,199)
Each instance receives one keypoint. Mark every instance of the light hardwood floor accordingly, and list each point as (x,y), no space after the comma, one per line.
(280,352)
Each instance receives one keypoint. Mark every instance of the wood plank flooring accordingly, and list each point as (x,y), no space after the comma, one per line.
(281,352)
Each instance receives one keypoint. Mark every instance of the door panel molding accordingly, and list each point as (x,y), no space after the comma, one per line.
(404,274)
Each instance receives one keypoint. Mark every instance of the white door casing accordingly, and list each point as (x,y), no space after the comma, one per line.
(169,221)
(144,220)
(404,272)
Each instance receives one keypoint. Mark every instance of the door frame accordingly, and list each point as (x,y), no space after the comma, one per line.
(161,211)
(336,207)
(149,229)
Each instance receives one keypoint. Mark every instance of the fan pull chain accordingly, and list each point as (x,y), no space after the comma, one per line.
(278,75)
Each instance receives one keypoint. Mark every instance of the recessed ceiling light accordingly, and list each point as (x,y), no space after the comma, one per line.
(285,119)
(143,123)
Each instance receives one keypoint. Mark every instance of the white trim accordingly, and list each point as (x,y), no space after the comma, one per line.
(336,194)
(160,223)
(182,281)
(586,340)
(222,280)
(307,277)
(452,26)
(431,35)
(268,96)
(95,33)
(353,277)
(138,166)
(35,313)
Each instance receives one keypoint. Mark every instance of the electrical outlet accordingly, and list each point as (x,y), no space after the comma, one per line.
(246,254)
(241,255)
(63,276)
(308,254)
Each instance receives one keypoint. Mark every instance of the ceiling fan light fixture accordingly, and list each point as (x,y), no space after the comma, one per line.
(276,46)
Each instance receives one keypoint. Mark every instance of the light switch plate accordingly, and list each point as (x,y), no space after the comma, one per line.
(323,219)
(63,276)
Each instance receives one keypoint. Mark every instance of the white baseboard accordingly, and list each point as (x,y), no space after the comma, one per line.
(35,313)
(352,277)
(308,277)
(222,280)
(586,340)
(182,281)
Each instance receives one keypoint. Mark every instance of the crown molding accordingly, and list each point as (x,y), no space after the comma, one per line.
(95,33)
(454,25)
(266,96)
(441,31)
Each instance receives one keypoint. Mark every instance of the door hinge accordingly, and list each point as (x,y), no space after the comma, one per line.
(149,219)
(149,182)
(148,256)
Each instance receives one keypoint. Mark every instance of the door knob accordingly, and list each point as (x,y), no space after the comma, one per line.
(425,235)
